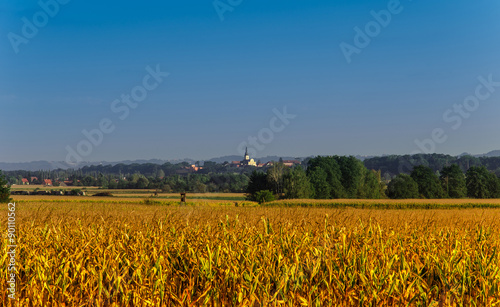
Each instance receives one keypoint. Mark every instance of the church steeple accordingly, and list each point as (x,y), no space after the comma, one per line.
(246,160)
(247,157)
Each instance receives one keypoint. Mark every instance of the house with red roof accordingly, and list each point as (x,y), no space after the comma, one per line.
(47,182)
(25,181)
(291,162)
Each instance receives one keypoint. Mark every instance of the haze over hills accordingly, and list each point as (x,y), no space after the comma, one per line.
(53,165)
(493,153)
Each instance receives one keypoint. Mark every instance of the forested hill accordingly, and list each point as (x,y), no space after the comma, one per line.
(394,164)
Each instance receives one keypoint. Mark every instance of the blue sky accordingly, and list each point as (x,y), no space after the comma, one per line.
(227,76)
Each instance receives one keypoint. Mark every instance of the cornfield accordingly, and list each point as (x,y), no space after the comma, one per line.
(131,254)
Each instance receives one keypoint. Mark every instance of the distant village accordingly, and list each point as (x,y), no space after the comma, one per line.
(47,182)
(377,176)
(193,168)
(209,176)
(250,162)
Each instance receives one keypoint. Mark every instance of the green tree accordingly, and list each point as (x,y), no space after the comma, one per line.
(476,183)
(428,183)
(142,183)
(402,187)
(343,177)
(275,177)
(296,184)
(102,181)
(353,172)
(453,181)
(331,168)
(319,184)
(264,196)
(481,183)
(493,185)
(88,181)
(199,187)
(4,190)
(112,184)
(257,182)
(160,174)
(371,186)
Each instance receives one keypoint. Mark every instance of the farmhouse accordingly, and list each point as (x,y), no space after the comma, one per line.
(47,182)
(291,162)
(25,181)
(188,169)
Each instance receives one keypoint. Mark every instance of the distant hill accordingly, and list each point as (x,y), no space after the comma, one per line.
(494,153)
(53,165)
(384,162)
(34,166)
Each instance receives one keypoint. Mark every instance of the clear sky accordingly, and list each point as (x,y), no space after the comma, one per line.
(233,65)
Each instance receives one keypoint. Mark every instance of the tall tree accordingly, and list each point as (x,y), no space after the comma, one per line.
(481,183)
(319,183)
(371,186)
(402,187)
(160,174)
(257,182)
(296,184)
(333,174)
(428,183)
(4,190)
(275,177)
(453,181)
(142,183)
(493,185)
(476,183)
(353,172)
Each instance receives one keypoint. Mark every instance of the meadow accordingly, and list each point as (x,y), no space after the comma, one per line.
(125,251)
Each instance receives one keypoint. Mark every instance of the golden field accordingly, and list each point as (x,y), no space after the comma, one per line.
(88,251)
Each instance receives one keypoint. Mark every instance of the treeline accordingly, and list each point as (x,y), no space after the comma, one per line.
(324,178)
(121,170)
(423,182)
(168,177)
(196,183)
(392,165)
(346,177)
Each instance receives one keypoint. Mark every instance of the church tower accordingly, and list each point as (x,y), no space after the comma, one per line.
(247,157)
(246,160)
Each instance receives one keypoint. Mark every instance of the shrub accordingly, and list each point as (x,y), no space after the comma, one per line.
(103,194)
(264,196)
